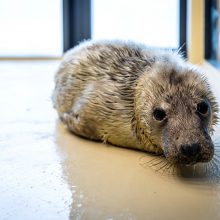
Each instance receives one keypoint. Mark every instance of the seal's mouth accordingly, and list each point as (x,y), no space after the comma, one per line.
(188,147)
(190,154)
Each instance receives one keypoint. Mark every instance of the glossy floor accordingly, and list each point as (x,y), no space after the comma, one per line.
(48,173)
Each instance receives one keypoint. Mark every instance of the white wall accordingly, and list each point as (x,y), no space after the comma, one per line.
(30,28)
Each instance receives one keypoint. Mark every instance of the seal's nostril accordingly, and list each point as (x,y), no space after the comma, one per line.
(190,150)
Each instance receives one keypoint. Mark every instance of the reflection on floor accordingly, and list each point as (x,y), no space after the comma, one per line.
(48,173)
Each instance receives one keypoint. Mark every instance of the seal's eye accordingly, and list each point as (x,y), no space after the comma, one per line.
(159,114)
(202,108)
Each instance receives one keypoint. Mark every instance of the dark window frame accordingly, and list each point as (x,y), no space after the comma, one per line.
(211,32)
(77,23)
(183,26)
(208,30)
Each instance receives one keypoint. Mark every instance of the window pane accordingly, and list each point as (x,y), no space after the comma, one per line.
(155,23)
(30,28)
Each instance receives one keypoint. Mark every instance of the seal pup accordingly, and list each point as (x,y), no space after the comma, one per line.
(133,96)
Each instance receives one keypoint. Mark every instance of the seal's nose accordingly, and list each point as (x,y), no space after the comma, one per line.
(190,151)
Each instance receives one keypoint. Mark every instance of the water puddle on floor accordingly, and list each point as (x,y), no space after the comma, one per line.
(109,182)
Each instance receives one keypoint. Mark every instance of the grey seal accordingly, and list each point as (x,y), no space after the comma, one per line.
(134,96)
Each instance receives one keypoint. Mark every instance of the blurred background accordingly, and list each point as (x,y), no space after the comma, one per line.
(31,28)
(47,28)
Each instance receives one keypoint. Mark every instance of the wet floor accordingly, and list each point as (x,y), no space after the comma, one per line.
(48,173)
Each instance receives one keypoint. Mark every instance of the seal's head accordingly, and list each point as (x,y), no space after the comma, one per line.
(176,111)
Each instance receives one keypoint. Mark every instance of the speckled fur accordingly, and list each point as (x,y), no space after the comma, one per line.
(107,90)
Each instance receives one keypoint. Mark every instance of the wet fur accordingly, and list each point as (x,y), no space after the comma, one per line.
(107,90)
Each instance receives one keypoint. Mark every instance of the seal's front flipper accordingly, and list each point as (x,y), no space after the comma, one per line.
(73,123)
